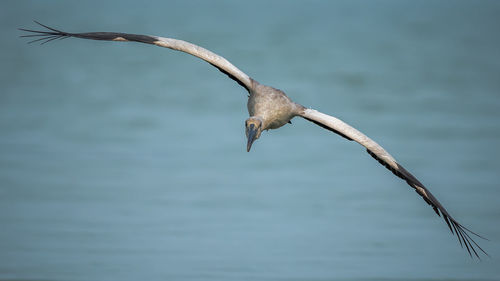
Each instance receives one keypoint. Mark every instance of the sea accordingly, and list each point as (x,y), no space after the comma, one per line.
(126,161)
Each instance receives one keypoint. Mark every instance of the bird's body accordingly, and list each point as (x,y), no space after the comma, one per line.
(272,105)
(270,108)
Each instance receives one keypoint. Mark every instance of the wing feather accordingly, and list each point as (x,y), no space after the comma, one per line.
(381,155)
(179,45)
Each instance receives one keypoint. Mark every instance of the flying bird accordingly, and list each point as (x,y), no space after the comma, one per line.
(270,108)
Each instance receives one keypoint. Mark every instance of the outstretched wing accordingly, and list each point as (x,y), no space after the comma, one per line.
(376,151)
(221,63)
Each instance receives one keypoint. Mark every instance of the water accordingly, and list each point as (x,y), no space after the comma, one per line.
(128,162)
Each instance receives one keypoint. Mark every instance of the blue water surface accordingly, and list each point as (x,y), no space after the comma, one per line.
(123,161)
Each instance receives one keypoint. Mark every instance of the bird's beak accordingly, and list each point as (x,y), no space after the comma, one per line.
(252,133)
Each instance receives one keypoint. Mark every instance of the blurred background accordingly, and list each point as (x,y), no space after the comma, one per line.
(124,161)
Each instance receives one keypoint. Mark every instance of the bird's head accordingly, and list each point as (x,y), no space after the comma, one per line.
(253,128)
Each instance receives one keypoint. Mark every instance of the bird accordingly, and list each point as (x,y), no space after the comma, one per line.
(270,108)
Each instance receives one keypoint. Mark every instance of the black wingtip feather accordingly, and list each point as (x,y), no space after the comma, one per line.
(458,236)
(465,239)
(461,231)
(50,28)
(448,223)
(45,36)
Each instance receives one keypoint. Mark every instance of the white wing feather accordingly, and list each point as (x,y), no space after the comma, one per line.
(380,154)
